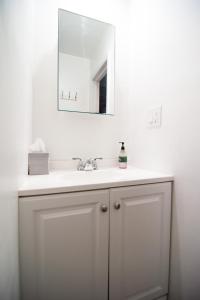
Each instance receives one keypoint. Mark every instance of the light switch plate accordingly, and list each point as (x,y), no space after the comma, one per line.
(154,117)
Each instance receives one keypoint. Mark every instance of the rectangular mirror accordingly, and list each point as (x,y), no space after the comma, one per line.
(86,63)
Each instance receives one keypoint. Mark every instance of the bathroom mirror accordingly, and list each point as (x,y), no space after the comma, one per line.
(86,63)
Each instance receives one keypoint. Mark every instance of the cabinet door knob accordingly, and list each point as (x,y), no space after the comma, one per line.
(104,208)
(117,205)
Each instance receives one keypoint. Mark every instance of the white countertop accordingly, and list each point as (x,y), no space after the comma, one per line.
(71,181)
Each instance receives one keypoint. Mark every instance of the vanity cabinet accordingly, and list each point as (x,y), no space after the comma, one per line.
(96,245)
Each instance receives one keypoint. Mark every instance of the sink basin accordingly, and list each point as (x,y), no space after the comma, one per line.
(83,176)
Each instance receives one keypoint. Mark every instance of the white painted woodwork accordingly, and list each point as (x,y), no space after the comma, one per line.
(65,251)
(139,242)
(64,246)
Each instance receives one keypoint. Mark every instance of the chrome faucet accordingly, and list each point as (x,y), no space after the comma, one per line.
(88,165)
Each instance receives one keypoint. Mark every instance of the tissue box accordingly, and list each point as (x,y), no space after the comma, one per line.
(38,163)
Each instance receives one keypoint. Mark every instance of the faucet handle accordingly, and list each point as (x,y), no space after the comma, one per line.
(95,166)
(80,165)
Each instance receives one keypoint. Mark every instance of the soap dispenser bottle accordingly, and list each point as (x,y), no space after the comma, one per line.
(122,157)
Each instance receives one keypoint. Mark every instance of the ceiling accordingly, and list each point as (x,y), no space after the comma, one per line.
(79,35)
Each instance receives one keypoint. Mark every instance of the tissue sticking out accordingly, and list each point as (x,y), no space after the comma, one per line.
(37,146)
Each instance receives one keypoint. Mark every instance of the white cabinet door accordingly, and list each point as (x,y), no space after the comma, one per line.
(139,241)
(64,246)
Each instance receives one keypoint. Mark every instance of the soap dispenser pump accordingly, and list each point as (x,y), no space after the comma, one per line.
(122,157)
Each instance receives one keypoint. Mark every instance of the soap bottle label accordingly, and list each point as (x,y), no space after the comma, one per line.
(123,159)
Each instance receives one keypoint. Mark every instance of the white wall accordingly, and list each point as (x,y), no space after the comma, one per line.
(74,77)
(15,117)
(71,134)
(165,70)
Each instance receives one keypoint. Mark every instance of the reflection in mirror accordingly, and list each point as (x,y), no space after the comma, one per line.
(85,64)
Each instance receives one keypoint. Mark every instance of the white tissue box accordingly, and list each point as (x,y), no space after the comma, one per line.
(38,163)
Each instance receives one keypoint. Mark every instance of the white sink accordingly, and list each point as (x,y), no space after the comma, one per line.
(71,181)
(78,176)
